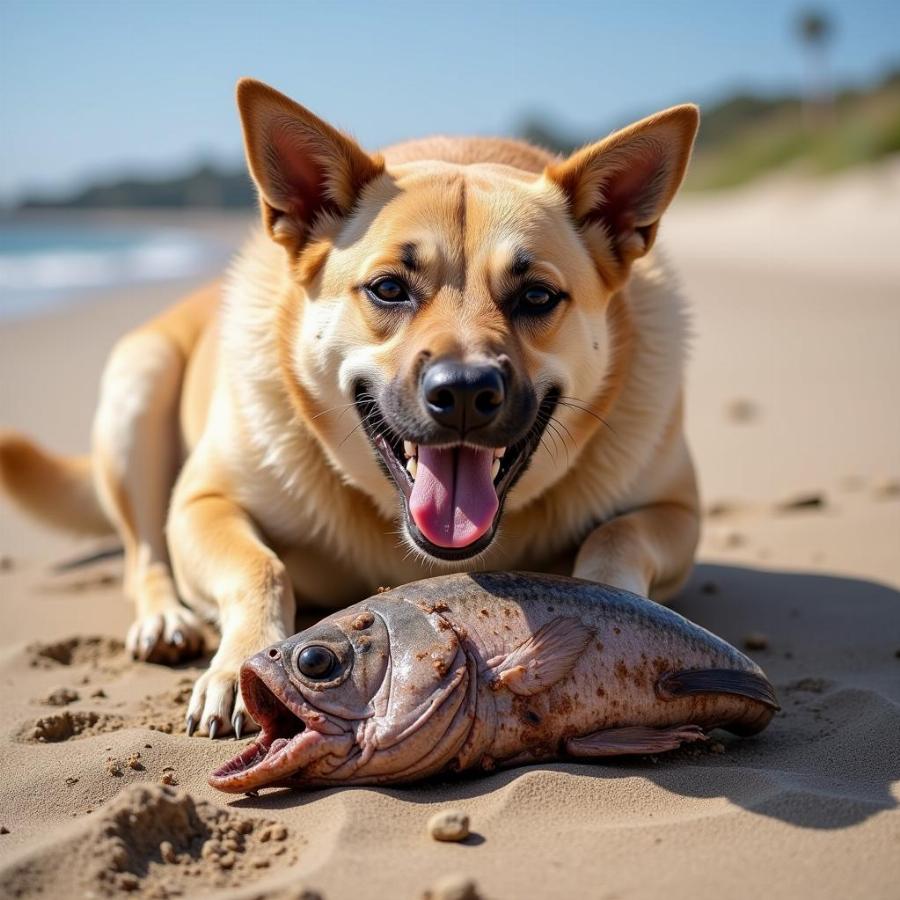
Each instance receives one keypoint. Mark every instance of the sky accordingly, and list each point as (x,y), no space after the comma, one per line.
(99,88)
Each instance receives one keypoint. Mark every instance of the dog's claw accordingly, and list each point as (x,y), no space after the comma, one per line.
(237,723)
(190,725)
(213,727)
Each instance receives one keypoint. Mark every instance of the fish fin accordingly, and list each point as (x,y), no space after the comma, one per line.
(686,682)
(633,739)
(543,659)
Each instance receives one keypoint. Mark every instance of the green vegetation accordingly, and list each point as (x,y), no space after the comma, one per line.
(747,135)
(206,187)
(739,144)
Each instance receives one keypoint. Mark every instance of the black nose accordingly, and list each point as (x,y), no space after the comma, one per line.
(463,397)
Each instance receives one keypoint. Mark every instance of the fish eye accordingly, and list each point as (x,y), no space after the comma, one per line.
(389,290)
(316,662)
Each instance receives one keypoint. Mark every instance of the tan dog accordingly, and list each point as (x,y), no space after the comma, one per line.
(454,355)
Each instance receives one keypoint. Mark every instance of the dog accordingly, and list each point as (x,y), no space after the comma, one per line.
(457,354)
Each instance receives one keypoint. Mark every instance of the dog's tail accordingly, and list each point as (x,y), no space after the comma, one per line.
(58,490)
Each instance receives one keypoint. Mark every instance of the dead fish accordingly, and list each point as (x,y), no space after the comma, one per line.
(485,670)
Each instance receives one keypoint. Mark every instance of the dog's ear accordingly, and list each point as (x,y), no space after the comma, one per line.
(302,166)
(619,187)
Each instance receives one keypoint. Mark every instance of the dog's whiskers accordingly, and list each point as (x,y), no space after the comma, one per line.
(553,425)
(342,406)
(581,406)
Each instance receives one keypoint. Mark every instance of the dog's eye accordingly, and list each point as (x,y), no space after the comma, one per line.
(389,290)
(316,661)
(537,299)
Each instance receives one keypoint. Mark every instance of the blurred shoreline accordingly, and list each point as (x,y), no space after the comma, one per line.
(51,259)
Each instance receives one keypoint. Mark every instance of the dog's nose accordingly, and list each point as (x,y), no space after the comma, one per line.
(463,397)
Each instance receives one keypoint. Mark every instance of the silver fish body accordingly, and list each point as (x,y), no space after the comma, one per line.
(484,670)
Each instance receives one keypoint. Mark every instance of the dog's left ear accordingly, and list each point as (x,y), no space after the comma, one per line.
(619,187)
(303,167)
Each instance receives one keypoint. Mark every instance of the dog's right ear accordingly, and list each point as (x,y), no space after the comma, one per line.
(304,169)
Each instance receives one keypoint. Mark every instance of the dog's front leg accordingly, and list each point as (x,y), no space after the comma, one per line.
(219,557)
(649,551)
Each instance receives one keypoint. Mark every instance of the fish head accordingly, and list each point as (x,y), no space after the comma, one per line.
(362,695)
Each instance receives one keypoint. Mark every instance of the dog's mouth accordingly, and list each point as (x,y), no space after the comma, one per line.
(453,495)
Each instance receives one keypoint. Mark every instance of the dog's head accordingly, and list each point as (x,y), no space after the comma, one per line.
(441,322)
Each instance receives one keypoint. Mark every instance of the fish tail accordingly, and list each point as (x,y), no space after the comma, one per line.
(750,685)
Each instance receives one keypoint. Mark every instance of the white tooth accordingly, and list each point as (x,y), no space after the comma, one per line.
(409,448)
(412,467)
(495,468)
(499,453)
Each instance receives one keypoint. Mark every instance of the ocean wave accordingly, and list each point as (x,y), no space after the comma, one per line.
(36,275)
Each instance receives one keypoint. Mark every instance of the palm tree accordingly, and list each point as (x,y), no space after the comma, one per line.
(815,30)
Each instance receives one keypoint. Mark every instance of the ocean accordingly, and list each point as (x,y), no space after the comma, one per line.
(45,265)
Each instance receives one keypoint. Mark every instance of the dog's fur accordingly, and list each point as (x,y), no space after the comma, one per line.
(228,423)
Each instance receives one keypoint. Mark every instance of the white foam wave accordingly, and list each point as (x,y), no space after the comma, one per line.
(34,280)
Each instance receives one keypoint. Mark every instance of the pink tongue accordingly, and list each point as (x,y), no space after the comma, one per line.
(453,501)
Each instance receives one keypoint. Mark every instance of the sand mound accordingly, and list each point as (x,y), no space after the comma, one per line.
(74,651)
(159,842)
(65,725)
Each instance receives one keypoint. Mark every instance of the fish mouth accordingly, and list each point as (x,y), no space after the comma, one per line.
(291,738)
(452,494)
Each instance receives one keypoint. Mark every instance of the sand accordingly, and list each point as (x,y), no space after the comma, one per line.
(792,413)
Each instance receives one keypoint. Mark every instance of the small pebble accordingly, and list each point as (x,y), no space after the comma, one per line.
(453,887)
(6,564)
(4,829)
(449,825)
(756,640)
(169,778)
(279,832)
(888,490)
(261,864)
(62,697)
(741,410)
(71,780)
(231,845)
(227,861)
(802,501)
(134,761)
(717,747)
(129,882)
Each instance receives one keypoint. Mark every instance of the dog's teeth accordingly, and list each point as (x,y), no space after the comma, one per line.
(409,448)
(412,466)
(499,453)
(495,468)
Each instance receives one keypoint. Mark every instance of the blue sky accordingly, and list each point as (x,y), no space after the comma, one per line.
(99,87)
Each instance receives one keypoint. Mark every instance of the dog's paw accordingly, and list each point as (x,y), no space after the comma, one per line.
(216,707)
(171,636)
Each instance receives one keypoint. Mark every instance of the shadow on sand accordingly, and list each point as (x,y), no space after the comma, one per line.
(829,757)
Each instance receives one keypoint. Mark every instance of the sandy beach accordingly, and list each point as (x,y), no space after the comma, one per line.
(792,416)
